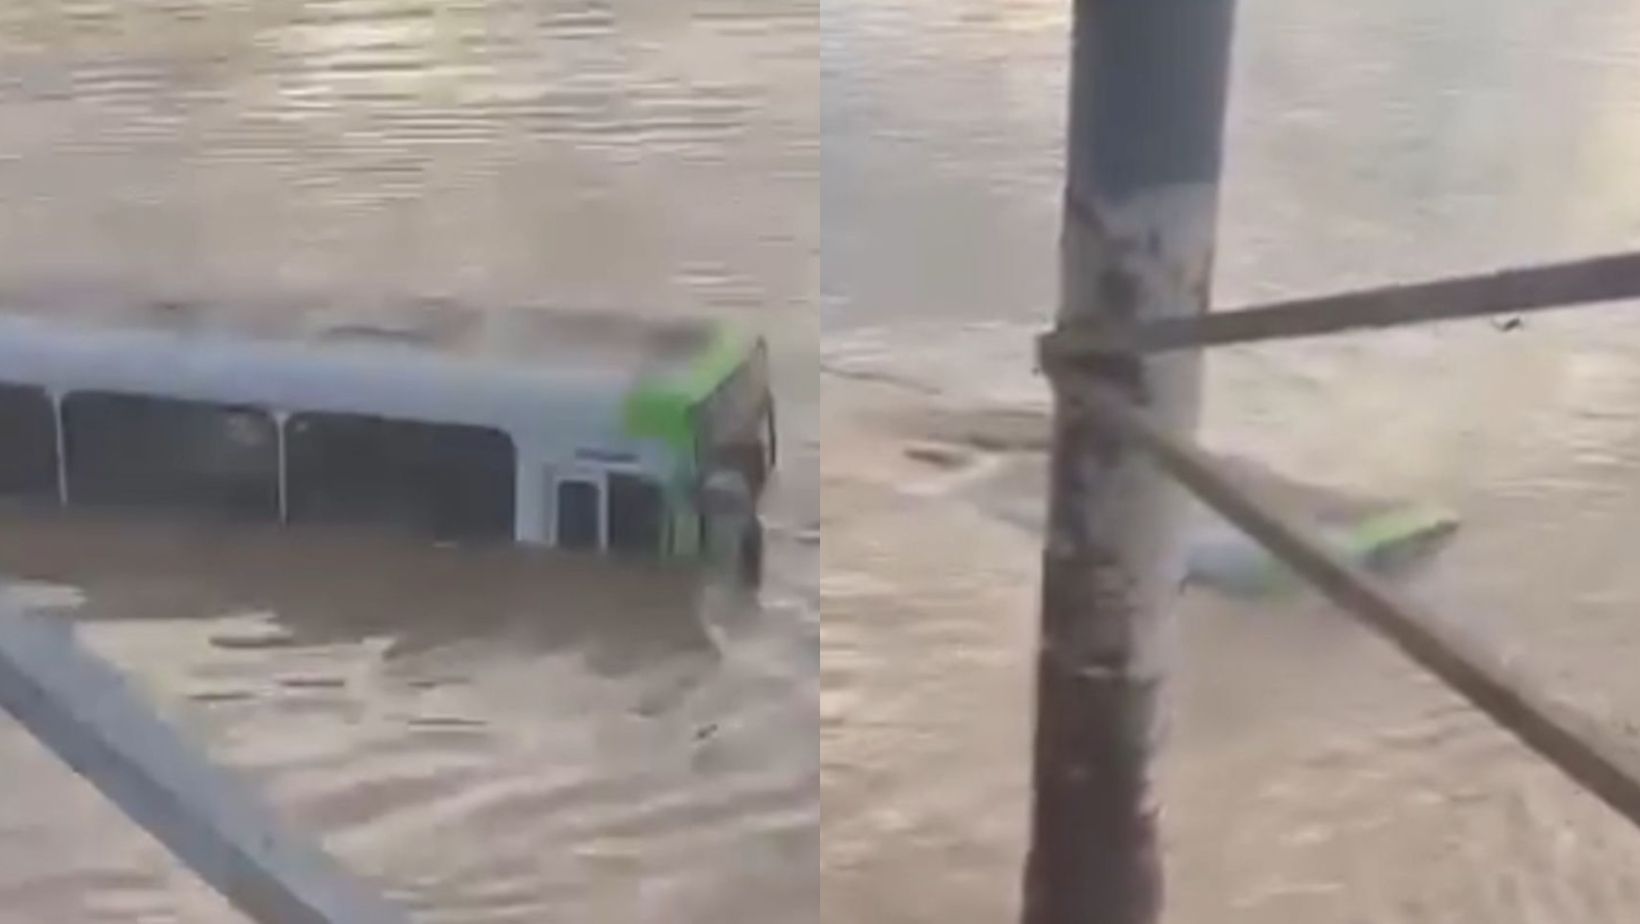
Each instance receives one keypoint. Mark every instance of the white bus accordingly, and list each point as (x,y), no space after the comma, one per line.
(577,431)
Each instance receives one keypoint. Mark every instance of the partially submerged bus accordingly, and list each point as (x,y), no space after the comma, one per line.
(584,432)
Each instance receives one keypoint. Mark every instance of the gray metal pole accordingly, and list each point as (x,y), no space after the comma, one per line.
(81,708)
(1148,81)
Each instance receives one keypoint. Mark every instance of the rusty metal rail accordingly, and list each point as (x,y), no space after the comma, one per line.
(1569,740)
(1539,288)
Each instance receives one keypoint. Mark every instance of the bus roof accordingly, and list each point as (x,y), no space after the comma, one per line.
(521,370)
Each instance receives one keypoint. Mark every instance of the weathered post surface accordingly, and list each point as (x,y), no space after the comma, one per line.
(1148,84)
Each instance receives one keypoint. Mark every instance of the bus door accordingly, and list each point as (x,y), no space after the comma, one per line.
(578,500)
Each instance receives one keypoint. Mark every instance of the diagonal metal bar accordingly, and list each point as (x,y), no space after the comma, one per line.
(1538,288)
(82,709)
(1568,739)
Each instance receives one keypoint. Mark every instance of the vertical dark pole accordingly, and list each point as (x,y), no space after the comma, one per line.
(1148,82)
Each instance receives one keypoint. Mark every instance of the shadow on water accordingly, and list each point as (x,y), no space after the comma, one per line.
(320,586)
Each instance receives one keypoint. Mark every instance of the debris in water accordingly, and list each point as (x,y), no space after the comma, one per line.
(1383,535)
(434,683)
(313,683)
(251,631)
(446,722)
(209,697)
(1386,542)
(945,457)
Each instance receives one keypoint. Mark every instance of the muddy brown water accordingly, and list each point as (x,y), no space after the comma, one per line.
(675,156)
(485,737)
(1312,774)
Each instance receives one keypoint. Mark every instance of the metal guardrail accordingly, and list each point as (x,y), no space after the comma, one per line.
(1538,288)
(81,708)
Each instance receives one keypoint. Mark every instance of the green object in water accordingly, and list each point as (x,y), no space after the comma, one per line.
(1383,541)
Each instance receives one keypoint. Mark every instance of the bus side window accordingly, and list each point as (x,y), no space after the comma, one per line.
(577,515)
(447,481)
(637,515)
(28,443)
(166,454)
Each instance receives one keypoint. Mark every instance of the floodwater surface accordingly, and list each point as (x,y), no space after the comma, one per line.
(1312,774)
(486,737)
(488,748)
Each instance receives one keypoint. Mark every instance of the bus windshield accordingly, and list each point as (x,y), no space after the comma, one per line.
(735,422)
(717,413)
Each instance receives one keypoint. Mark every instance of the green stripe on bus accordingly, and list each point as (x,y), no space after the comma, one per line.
(1398,529)
(660,406)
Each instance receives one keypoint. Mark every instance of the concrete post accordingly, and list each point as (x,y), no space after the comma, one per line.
(1148,81)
